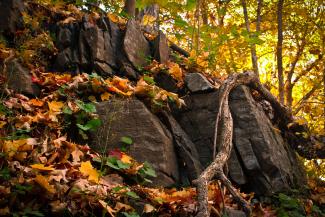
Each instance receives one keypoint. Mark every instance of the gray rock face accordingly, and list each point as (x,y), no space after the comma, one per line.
(19,79)
(136,46)
(152,141)
(161,49)
(166,81)
(185,148)
(260,161)
(268,161)
(196,82)
(86,46)
(11,16)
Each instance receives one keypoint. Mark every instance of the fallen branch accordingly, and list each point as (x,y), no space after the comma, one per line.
(178,49)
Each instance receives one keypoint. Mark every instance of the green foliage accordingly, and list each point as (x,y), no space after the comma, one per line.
(132,214)
(114,163)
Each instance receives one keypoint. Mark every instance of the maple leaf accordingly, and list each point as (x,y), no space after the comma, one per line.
(42,167)
(55,106)
(43,182)
(87,169)
(105,96)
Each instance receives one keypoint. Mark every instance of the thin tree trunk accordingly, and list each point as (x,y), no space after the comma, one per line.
(204,12)
(252,46)
(279,51)
(258,15)
(129,7)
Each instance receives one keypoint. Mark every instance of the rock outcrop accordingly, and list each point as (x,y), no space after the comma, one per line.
(261,160)
(11,16)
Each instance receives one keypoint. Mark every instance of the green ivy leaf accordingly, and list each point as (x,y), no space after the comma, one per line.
(126,140)
(90,125)
(87,107)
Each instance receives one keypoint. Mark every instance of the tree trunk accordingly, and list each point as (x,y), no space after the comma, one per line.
(279,51)
(129,7)
(252,46)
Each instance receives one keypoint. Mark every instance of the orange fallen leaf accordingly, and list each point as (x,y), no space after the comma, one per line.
(36,102)
(105,96)
(126,159)
(43,182)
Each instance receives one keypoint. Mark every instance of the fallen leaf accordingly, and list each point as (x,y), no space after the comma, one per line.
(55,106)
(148,208)
(126,158)
(87,169)
(121,206)
(105,96)
(36,102)
(43,182)
(42,167)
(109,209)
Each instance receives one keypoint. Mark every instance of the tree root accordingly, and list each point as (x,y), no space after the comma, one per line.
(222,140)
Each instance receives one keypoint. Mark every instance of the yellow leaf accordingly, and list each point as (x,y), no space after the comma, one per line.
(2,123)
(87,169)
(105,96)
(43,181)
(126,159)
(176,71)
(11,147)
(148,19)
(55,106)
(41,167)
(92,98)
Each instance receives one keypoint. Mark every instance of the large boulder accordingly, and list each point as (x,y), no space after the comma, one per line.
(267,159)
(152,141)
(261,160)
(11,16)
(19,79)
